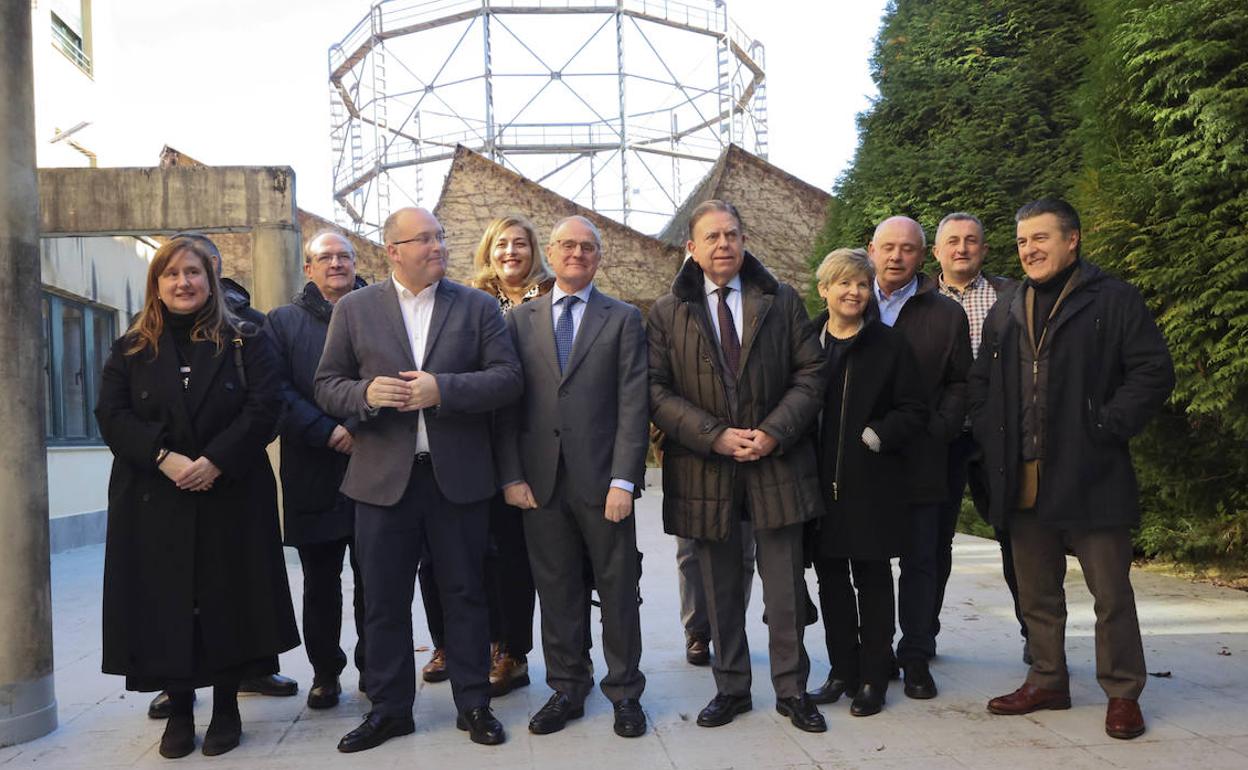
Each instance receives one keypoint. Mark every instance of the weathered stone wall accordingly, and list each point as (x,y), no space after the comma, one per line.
(783,215)
(636,267)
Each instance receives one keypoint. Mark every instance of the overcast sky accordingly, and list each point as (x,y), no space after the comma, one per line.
(244,82)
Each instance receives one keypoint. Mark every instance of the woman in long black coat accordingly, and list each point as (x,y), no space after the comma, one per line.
(873,407)
(195,590)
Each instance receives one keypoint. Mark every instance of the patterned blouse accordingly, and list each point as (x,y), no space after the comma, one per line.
(504,301)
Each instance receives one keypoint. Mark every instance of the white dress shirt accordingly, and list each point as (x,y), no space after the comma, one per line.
(417,312)
(734,303)
(578,312)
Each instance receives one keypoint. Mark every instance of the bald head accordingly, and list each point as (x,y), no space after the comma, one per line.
(896,250)
(416,247)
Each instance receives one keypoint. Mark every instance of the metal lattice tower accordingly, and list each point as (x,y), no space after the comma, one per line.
(617,104)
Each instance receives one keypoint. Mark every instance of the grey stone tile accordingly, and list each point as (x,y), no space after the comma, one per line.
(1197,752)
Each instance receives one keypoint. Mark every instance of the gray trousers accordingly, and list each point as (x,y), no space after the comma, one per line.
(1105,557)
(779,559)
(558,536)
(689,572)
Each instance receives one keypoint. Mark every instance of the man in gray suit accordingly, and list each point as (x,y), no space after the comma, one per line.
(420,362)
(573,454)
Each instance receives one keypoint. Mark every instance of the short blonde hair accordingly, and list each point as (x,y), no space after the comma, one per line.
(843,262)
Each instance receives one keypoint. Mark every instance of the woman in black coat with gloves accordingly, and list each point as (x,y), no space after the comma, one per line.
(873,407)
(195,590)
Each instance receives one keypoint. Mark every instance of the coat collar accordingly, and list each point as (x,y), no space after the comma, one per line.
(688,284)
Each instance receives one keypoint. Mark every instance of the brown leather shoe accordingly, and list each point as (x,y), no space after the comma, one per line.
(435,669)
(1029,698)
(697,651)
(1123,719)
(507,673)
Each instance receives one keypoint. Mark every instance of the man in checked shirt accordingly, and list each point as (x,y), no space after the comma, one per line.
(960,249)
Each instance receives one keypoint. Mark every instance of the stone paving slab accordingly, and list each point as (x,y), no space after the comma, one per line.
(1197,715)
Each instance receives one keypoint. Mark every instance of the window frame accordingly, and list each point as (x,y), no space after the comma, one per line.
(93,365)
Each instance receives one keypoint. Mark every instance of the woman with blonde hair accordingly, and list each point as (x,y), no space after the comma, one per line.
(195,590)
(873,407)
(510,267)
(509,264)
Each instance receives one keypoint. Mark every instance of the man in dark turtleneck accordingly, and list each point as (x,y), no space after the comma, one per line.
(1070,368)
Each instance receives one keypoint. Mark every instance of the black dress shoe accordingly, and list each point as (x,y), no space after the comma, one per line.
(868,701)
(919,682)
(482,726)
(224,733)
(324,694)
(801,711)
(161,707)
(723,708)
(554,716)
(375,730)
(831,690)
(275,685)
(630,721)
(179,737)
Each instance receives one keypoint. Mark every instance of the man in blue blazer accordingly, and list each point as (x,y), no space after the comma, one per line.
(420,362)
(573,453)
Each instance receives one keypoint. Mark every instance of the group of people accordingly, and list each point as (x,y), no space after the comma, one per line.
(491,437)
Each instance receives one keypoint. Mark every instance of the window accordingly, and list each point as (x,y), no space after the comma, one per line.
(76,339)
(71,22)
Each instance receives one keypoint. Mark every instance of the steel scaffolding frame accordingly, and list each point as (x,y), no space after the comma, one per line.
(413,79)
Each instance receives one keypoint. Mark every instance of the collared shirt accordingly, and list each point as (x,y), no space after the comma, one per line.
(417,312)
(890,306)
(734,303)
(578,312)
(578,309)
(976,299)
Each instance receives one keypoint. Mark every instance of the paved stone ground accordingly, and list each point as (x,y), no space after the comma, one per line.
(1197,714)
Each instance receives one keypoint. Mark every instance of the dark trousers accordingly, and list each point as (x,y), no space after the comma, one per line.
(508,583)
(858,626)
(559,535)
(917,584)
(780,565)
(689,573)
(964,471)
(390,541)
(322,607)
(1105,557)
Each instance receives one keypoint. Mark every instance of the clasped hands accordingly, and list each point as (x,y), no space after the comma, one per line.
(618,508)
(408,392)
(187,474)
(744,444)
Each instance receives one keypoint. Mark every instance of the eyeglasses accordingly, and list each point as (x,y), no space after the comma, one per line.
(569,246)
(341,256)
(424,239)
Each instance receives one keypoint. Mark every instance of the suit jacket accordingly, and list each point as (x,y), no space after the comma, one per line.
(595,415)
(470,353)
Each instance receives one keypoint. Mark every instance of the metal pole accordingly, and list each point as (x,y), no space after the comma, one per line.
(27,697)
(619,50)
(491,152)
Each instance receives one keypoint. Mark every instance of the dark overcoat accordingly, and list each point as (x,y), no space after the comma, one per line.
(779,390)
(940,337)
(170,553)
(314,510)
(1109,372)
(866,494)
